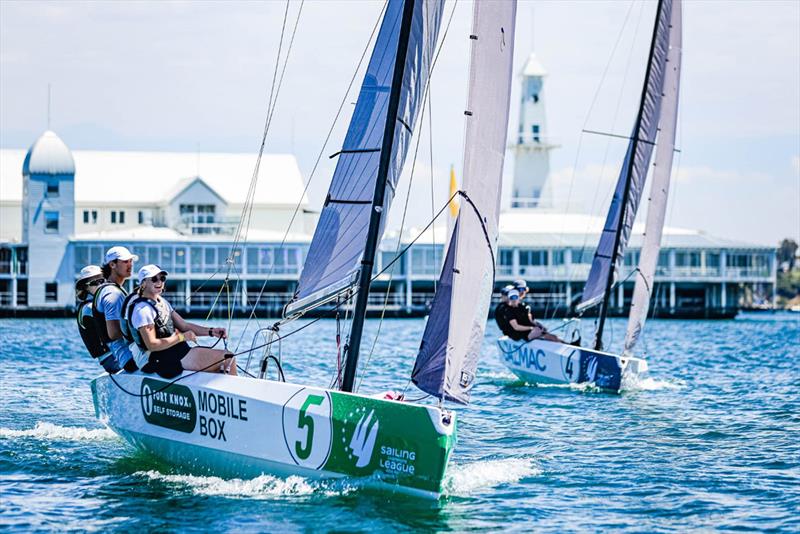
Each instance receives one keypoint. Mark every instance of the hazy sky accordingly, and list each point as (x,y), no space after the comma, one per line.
(191,76)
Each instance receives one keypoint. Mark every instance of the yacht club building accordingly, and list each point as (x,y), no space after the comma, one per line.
(61,209)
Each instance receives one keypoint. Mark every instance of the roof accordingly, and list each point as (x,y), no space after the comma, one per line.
(48,155)
(154,177)
(533,67)
(541,228)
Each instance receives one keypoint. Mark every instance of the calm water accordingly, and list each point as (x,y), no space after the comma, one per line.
(710,441)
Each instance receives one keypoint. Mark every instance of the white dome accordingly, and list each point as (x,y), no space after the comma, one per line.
(533,67)
(48,155)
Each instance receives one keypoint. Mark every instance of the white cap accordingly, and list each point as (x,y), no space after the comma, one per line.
(149,271)
(119,253)
(90,271)
(513,294)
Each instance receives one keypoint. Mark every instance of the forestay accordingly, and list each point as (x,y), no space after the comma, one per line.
(659,189)
(335,253)
(451,344)
(634,168)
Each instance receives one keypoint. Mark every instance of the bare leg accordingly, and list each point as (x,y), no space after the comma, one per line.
(209,360)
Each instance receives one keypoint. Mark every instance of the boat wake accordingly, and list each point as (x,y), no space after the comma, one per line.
(260,487)
(631,384)
(49,431)
(465,479)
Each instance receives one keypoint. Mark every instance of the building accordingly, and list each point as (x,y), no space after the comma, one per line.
(60,210)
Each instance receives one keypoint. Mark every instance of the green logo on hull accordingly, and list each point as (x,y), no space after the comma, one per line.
(170,407)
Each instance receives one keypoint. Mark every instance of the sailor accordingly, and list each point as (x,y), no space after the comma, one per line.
(162,334)
(89,280)
(107,305)
(521,323)
(501,311)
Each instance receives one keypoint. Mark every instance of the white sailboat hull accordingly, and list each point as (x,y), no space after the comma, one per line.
(550,362)
(243,427)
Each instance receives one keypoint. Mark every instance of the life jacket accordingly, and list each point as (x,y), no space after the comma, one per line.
(127,309)
(163,322)
(99,317)
(87,327)
(501,318)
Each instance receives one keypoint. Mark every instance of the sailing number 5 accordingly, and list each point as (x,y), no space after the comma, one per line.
(307,428)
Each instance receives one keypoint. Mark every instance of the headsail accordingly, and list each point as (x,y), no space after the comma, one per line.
(333,261)
(630,184)
(659,189)
(451,344)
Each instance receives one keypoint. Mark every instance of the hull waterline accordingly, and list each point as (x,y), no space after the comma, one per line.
(243,427)
(549,362)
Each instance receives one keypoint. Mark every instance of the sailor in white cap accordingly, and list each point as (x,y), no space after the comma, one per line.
(161,334)
(89,280)
(107,307)
(523,327)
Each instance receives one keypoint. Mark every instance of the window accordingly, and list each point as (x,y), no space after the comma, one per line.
(51,222)
(85,216)
(51,292)
(122,217)
(141,217)
(532,257)
(52,189)
(582,255)
(113,217)
(199,216)
(535,129)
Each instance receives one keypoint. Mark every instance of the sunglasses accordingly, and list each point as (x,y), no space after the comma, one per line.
(96,282)
(159,277)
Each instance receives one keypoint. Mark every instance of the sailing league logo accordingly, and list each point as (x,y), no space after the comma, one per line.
(362,444)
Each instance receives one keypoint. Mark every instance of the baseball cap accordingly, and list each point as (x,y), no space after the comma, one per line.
(513,294)
(119,253)
(90,271)
(505,289)
(521,284)
(149,271)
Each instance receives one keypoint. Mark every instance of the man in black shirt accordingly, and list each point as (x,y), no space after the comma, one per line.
(521,322)
(500,312)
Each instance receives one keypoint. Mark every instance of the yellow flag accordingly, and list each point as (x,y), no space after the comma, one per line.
(453,189)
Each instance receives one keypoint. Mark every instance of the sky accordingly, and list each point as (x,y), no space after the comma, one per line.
(197,76)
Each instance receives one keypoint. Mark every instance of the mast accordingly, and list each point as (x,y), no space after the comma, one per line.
(368,259)
(598,340)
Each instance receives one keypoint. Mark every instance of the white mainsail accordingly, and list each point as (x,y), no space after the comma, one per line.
(659,189)
(451,344)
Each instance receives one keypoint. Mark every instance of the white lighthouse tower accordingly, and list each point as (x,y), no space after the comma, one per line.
(531,146)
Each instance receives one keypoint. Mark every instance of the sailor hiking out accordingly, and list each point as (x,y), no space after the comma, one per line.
(107,304)
(89,280)
(161,334)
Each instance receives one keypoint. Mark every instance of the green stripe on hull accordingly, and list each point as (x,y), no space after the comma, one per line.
(235,426)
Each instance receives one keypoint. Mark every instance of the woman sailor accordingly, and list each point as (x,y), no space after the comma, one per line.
(161,333)
(89,281)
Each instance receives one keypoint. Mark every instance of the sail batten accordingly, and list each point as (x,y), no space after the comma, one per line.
(659,189)
(448,356)
(334,258)
(630,184)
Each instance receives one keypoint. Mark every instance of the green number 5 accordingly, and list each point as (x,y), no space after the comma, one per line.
(304,420)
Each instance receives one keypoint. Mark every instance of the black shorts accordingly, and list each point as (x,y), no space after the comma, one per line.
(167,363)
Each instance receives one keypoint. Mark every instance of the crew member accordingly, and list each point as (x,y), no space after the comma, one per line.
(501,311)
(522,326)
(107,305)
(161,333)
(89,280)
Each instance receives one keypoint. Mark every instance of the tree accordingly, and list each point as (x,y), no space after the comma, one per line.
(786,252)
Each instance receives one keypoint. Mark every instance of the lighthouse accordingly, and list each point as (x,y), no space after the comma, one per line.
(532,145)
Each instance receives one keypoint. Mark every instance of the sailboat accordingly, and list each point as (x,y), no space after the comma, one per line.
(242,426)
(541,361)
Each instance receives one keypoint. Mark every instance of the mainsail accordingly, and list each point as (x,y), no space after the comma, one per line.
(448,355)
(659,189)
(333,261)
(630,184)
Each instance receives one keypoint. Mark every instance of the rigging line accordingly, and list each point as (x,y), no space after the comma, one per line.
(616,111)
(311,176)
(427,96)
(253,179)
(328,313)
(274,104)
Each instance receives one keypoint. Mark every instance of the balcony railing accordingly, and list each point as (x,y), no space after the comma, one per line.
(219,226)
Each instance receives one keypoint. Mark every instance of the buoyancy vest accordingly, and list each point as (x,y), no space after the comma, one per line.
(501,318)
(127,309)
(163,322)
(87,327)
(100,317)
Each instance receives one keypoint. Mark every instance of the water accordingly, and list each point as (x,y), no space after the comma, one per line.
(710,441)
